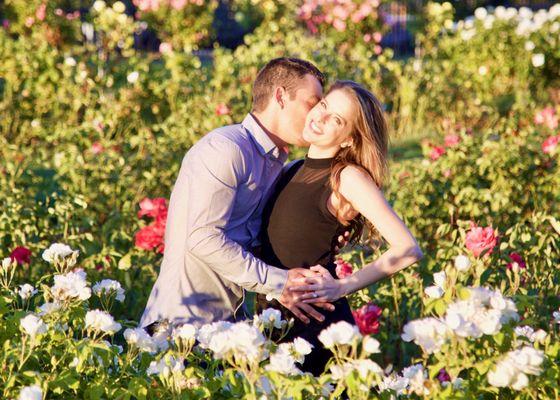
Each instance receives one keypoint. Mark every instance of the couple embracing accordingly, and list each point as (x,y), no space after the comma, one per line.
(239,219)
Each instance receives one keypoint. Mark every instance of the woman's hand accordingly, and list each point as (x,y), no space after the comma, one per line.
(330,290)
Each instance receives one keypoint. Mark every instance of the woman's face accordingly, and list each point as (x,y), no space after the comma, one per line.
(329,124)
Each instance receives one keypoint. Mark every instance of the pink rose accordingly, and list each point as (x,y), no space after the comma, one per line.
(5,23)
(447,173)
(41,12)
(516,258)
(339,25)
(178,4)
(29,21)
(21,255)
(437,152)
(367,318)
(480,239)
(377,49)
(343,269)
(165,48)
(547,117)
(452,140)
(222,109)
(377,36)
(367,38)
(550,144)
(97,148)
(153,207)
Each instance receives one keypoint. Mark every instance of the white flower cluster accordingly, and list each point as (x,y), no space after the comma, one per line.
(364,367)
(108,287)
(534,336)
(411,380)
(438,289)
(483,312)
(284,359)
(525,21)
(33,325)
(339,333)
(186,332)
(239,340)
(101,321)
(166,366)
(269,318)
(428,333)
(139,338)
(513,369)
(26,291)
(72,285)
(33,392)
(59,251)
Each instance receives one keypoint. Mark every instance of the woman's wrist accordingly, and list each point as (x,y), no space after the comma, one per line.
(345,287)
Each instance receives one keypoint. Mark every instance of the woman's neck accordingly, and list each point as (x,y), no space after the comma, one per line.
(317,152)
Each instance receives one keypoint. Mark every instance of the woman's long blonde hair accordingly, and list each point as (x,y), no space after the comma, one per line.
(370,141)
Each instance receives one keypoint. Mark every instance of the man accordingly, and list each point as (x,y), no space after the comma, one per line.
(216,205)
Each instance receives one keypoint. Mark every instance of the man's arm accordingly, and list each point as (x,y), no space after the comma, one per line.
(214,173)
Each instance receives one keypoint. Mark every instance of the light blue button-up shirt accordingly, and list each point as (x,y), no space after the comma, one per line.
(214,217)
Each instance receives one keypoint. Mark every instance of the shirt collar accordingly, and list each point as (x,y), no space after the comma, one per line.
(263,142)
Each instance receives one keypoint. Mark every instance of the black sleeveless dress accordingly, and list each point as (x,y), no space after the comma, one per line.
(299,231)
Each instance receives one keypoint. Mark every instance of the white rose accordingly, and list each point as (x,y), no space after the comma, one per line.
(462,263)
(33,392)
(302,346)
(434,292)
(33,325)
(57,250)
(101,321)
(537,60)
(26,291)
(132,77)
(370,345)
(480,13)
(185,332)
(341,333)
(439,279)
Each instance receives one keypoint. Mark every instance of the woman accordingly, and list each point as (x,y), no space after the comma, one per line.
(336,188)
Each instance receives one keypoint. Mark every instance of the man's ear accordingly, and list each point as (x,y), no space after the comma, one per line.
(280,96)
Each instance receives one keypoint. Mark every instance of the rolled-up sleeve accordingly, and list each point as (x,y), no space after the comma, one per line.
(214,173)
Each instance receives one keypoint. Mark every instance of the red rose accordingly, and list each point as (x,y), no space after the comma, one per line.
(437,152)
(343,269)
(21,255)
(516,258)
(153,207)
(480,239)
(367,318)
(150,237)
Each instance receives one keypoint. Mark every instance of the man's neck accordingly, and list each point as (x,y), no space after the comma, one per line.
(269,126)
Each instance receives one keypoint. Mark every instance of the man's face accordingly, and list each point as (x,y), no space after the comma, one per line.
(306,96)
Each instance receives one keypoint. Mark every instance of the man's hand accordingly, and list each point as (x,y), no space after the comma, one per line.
(330,289)
(292,300)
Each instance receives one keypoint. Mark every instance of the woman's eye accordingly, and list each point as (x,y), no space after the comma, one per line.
(338,122)
(323,104)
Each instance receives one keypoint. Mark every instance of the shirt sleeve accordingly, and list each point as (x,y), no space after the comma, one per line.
(214,172)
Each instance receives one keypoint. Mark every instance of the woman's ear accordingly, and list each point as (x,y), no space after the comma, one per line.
(347,143)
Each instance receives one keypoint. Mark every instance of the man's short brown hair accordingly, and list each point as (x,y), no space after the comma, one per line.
(285,72)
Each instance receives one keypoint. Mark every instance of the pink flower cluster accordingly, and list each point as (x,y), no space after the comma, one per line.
(222,109)
(343,269)
(450,140)
(151,236)
(367,318)
(154,5)
(480,239)
(337,13)
(547,117)
(550,144)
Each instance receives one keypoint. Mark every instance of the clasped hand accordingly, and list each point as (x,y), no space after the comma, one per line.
(306,288)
